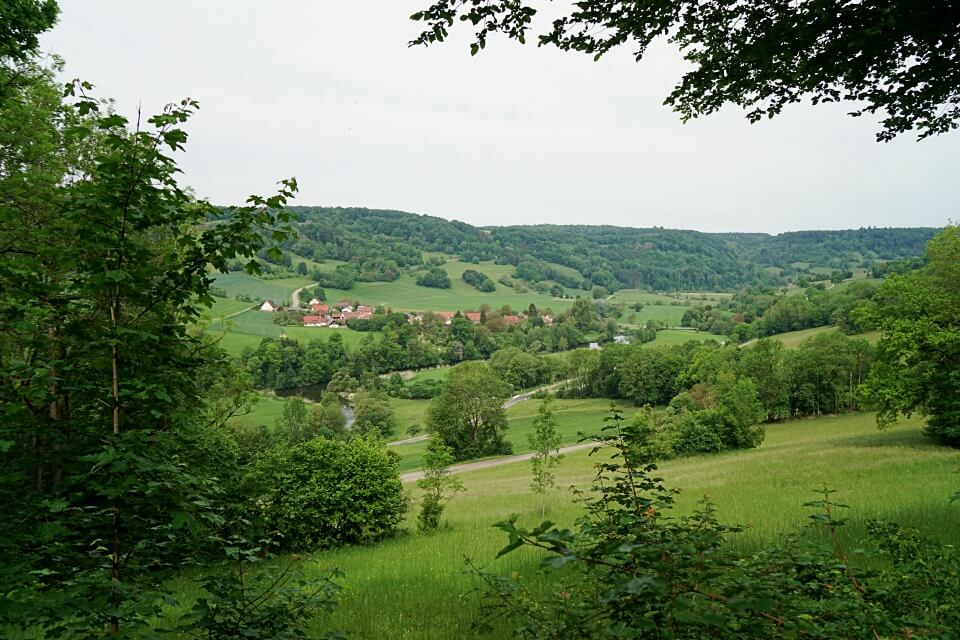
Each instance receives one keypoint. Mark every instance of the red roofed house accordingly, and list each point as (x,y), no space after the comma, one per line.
(314,321)
(509,321)
(446,316)
(319,307)
(472,316)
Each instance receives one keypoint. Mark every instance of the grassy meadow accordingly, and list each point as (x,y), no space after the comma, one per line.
(671,337)
(413,587)
(240,283)
(404,294)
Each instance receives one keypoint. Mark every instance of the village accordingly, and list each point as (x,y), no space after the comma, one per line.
(319,313)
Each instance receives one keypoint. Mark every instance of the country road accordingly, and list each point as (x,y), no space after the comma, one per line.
(510,402)
(412,476)
(295,296)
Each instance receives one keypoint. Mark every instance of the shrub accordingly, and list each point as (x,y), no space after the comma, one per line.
(693,435)
(434,277)
(323,493)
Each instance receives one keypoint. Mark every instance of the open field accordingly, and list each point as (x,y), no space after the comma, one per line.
(266,412)
(225,307)
(408,412)
(793,339)
(670,337)
(249,328)
(405,295)
(413,587)
(239,283)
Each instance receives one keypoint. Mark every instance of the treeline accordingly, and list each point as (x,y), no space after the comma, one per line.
(755,313)
(821,376)
(380,245)
(400,345)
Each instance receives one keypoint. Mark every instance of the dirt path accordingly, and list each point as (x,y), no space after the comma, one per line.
(295,296)
(412,476)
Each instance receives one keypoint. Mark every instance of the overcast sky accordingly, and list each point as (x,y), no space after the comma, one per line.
(330,93)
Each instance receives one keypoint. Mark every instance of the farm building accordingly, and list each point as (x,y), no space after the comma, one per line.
(268,305)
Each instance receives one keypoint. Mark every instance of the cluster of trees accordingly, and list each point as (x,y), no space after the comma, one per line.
(435,277)
(821,376)
(479,281)
(756,313)
(400,345)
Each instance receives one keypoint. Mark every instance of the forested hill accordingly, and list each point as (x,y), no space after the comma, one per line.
(582,256)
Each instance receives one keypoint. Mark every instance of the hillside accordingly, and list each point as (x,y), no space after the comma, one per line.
(381,244)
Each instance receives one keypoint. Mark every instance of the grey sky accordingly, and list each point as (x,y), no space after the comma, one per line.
(329,92)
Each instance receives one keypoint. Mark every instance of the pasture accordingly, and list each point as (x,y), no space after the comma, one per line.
(672,337)
(240,283)
(404,294)
(413,587)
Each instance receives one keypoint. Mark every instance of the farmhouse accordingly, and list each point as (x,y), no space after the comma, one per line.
(472,317)
(268,305)
(446,316)
(315,321)
(509,321)
(314,301)
(319,307)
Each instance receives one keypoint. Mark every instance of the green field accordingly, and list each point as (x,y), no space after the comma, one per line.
(671,337)
(225,307)
(249,328)
(239,283)
(408,412)
(437,373)
(266,412)
(405,295)
(793,339)
(413,587)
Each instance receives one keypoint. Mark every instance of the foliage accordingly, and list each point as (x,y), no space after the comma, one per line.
(917,363)
(889,59)
(276,601)
(546,452)
(437,484)
(374,414)
(434,277)
(480,281)
(631,570)
(106,263)
(468,416)
(323,493)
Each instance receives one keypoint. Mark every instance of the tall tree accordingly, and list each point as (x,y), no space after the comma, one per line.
(917,361)
(104,265)
(468,415)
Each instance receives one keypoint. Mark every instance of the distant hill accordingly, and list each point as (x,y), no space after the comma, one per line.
(379,244)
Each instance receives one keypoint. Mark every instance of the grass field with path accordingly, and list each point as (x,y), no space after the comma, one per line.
(413,587)
(240,283)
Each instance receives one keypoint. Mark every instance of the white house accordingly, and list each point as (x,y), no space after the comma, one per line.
(314,301)
(268,305)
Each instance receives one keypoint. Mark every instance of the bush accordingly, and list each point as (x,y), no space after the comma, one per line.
(693,435)
(434,277)
(324,493)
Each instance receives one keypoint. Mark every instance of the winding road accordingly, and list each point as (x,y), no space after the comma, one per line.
(412,476)
(295,295)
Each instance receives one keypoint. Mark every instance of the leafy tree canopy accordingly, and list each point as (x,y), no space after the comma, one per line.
(900,60)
